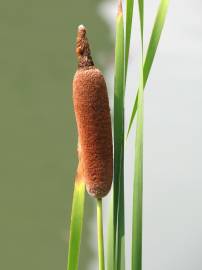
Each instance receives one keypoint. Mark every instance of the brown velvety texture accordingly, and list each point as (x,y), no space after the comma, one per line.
(94,128)
(92,112)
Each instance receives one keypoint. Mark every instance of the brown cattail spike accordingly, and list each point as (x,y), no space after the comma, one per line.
(120,9)
(93,119)
(83,49)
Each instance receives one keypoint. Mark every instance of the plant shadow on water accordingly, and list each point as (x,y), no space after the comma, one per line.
(38,132)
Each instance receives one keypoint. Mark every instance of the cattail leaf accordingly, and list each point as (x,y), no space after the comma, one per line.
(151,51)
(76,224)
(118,186)
(129,18)
(141,14)
(136,260)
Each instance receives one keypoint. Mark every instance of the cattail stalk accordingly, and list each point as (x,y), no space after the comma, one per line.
(100,235)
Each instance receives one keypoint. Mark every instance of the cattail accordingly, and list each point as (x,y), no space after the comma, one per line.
(92,112)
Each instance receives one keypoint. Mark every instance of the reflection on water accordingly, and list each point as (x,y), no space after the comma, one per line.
(38,133)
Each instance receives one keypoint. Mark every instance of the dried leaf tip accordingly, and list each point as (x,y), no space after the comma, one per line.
(120,9)
(83,49)
(81,27)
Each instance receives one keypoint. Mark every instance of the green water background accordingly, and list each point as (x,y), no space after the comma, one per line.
(38,132)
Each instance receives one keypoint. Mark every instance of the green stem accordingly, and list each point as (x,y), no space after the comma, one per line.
(100,235)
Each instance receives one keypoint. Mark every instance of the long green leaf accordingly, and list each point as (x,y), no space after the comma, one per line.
(141,14)
(118,191)
(129,18)
(136,260)
(136,263)
(76,224)
(151,51)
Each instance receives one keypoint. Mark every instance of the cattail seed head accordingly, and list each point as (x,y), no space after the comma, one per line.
(92,112)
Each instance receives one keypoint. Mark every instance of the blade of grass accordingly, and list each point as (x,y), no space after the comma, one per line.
(136,260)
(129,18)
(141,14)
(151,51)
(76,224)
(118,186)
(136,263)
(120,251)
